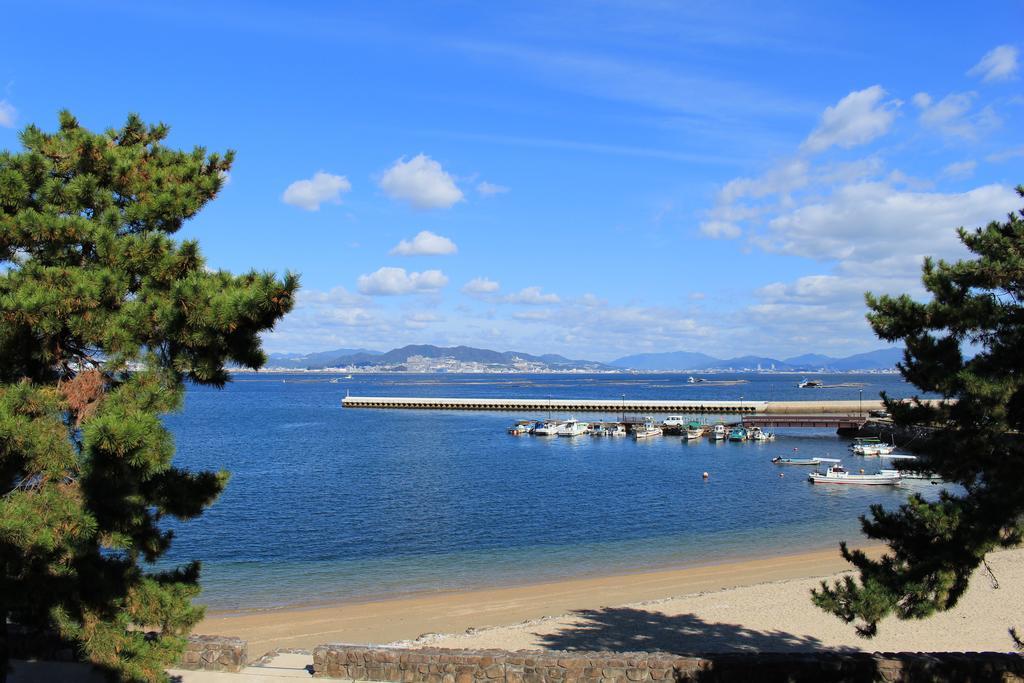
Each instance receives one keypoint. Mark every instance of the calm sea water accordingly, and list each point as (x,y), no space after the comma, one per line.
(328,503)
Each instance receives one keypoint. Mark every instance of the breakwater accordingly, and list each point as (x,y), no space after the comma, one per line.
(611,405)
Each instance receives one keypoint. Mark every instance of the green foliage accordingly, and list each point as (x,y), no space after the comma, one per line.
(966,345)
(103,318)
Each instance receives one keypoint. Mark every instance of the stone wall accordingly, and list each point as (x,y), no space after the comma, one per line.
(395,665)
(215,653)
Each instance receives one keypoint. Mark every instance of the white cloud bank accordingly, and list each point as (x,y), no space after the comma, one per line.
(322,187)
(481,285)
(7,114)
(532,296)
(858,118)
(422,182)
(425,243)
(998,64)
(389,281)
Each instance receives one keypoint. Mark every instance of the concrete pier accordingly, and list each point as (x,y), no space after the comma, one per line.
(561,405)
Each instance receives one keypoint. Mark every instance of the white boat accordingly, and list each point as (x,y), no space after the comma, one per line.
(617,430)
(521,427)
(547,428)
(718,433)
(573,428)
(837,474)
(599,430)
(694,431)
(882,449)
(694,380)
(810,384)
(758,434)
(647,430)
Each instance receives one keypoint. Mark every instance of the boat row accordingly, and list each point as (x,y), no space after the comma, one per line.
(690,431)
(570,427)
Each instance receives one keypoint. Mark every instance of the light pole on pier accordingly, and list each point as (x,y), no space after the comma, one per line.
(860,400)
(623,417)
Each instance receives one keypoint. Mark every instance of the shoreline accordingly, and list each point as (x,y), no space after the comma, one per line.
(408,617)
(752,605)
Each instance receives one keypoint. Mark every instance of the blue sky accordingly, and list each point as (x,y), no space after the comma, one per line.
(585,178)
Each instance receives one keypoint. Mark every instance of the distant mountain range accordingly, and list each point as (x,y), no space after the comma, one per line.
(397,357)
(883,359)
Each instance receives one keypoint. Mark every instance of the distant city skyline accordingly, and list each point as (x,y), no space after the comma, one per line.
(587,179)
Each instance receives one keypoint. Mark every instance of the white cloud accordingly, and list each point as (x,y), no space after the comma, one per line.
(532,296)
(868,224)
(960,169)
(858,118)
(481,285)
(922,100)
(721,230)
(950,116)
(425,243)
(321,188)
(395,281)
(7,114)
(783,178)
(422,182)
(998,64)
(490,189)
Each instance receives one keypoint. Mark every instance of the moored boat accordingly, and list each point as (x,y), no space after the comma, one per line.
(737,434)
(647,430)
(779,460)
(547,428)
(573,428)
(837,474)
(718,433)
(873,449)
(521,427)
(758,434)
(617,430)
(694,431)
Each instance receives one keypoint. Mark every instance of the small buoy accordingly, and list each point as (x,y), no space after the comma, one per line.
(706,475)
(782,474)
(862,470)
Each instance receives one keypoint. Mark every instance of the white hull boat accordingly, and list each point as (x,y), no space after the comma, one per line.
(647,430)
(837,474)
(573,428)
(547,429)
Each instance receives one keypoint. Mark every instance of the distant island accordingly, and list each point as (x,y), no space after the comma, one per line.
(421,358)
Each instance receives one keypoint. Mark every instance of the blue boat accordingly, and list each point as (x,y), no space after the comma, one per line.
(737,434)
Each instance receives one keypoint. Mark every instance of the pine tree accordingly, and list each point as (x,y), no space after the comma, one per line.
(104,317)
(965,344)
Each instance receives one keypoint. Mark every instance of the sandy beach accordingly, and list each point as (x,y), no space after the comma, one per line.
(754,604)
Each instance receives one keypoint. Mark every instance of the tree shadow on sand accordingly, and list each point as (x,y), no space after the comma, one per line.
(624,629)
